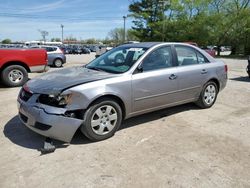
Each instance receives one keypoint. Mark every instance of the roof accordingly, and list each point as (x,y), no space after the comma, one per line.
(151,44)
(142,44)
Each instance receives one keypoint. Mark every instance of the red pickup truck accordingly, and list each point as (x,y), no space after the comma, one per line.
(15,64)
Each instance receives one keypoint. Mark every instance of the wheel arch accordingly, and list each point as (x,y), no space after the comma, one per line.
(216,81)
(111,97)
(20,63)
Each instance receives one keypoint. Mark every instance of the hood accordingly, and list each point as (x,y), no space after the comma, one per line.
(57,81)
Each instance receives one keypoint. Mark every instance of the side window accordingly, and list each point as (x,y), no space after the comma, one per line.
(158,59)
(201,58)
(186,56)
(48,49)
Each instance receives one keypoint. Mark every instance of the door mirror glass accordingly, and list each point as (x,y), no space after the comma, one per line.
(139,68)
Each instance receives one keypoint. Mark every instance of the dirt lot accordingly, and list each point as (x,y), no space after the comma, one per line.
(182,146)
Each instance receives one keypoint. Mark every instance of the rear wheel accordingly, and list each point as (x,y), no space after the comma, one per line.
(101,120)
(208,95)
(58,63)
(14,75)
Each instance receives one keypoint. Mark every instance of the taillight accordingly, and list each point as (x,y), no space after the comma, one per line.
(226,68)
(62,50)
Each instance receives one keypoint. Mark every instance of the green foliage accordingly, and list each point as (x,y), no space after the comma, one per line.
(70,38)
(6,41)
(55,40)
(116,36)
(91,41)
(206,22)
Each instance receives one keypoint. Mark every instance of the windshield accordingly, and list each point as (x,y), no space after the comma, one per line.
(117,60)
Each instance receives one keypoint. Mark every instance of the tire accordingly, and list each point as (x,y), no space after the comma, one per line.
(57,63)
(98,124)
(14,76)
(208,95)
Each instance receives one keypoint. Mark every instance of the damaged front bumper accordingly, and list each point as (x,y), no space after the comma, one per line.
(47,120)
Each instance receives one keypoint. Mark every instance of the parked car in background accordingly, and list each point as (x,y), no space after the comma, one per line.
(15,64)
(98,96)
(93,48)
(85,50)
(56,56)
(102,50)
(248,67)
(210,51)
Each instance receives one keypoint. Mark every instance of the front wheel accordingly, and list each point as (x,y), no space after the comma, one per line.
(14,75)
(102,120)
(208,95)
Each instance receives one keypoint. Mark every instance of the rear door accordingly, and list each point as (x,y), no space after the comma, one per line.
(156,85)
(192,72)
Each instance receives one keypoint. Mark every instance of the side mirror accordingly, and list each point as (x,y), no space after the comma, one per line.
(139,68)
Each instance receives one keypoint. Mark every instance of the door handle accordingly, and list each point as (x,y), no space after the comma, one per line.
(204,71)
(172,77)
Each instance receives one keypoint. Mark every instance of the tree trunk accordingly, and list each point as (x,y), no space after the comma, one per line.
(233,50)
(218,50)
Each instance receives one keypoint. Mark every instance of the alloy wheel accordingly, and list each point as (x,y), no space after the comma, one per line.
(104,120)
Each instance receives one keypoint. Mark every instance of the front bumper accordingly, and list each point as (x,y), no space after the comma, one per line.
(48,121)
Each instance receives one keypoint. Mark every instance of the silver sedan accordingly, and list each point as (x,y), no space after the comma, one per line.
(126,81)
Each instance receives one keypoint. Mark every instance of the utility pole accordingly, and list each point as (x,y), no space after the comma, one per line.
(124,29)
(164,4)
(62,31)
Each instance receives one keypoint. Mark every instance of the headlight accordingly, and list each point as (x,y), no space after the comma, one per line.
(56,100)
(64,99)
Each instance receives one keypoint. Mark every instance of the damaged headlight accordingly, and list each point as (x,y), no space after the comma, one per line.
(64,100)
(60,100)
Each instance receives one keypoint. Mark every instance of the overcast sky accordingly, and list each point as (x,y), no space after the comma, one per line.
(20,20)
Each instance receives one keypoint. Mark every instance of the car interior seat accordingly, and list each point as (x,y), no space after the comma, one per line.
(188,61)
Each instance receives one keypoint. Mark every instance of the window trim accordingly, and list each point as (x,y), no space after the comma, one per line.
(172,58)
(192,49)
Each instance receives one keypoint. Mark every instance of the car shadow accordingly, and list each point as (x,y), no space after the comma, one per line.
(17,133)
(152,116)
(2,85)
(20,135)
(241,79)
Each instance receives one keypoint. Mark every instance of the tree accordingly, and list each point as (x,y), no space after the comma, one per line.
(55,40)
(70,39)
(206,22)
(6,41)
(44,34)
(116,36)
(147,14)
(130,35)
(91,41)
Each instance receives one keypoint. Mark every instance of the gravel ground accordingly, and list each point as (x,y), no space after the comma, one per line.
(182,146)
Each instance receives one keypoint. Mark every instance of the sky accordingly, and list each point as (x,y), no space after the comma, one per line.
(21,20)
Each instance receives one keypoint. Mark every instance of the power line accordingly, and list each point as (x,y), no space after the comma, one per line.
(59,18)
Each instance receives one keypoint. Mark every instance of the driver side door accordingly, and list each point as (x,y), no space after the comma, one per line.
(156,86)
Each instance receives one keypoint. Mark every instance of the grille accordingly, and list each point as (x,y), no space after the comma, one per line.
(25,95)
